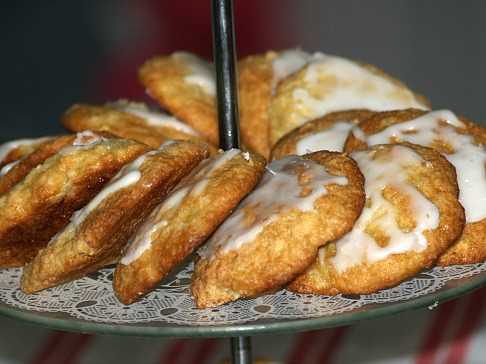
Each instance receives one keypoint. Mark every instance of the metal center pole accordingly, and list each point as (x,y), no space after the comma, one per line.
(241,350)
(228,114)
(224,51)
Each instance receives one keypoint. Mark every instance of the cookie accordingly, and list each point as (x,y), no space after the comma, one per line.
(411,216)
(131,121)
(258,76)
(330,83)
(14,150)
(41,204)
(325,133)
(97,233)
(14,172)
(301,204)
(185,220)
(184,84)
(463,143)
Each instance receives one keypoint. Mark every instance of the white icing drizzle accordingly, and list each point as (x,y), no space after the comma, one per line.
(332,139)
(353,87)
(6,168)
(156,118)
(202,74)
(84,140)
(128,175)
(278,190)
(357,246)
(7,147)
(288,62)
(468,159)
(246,155)
(142,239)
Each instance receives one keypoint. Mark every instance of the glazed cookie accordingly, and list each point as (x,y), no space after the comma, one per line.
(463,143)
(184,85)
(185,220)
(330,83)
(258,76)
(325,133)
(14,172)
(131,121)
(300,204)
(14,150)
(41,204)
(412,214)
(97,233)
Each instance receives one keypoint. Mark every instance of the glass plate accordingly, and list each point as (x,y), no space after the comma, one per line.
(89,305)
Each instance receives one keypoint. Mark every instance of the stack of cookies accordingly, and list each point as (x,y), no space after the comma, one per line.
(346,182)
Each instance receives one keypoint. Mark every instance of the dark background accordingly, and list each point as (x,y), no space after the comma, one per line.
(56,53)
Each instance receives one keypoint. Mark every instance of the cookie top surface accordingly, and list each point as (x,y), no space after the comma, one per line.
(290,183)
(16,149)
(411,216)
(258,76)
(300,204)
(184,84)
(97,233)
(40,205)
(459,140)
(325,133)
(129,120)
(184,220)
(207,178)
(330,83)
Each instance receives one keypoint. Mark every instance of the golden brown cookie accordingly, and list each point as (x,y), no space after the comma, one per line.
(97,233)
(325,133)
(184,85)
(14,150)
(330,83)
(300,204)
(463,143)
(258,76)
(185,220)
(131,121)
(412,214)
(41,204)
(15,172)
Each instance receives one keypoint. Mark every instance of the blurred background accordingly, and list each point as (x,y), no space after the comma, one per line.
(58,52)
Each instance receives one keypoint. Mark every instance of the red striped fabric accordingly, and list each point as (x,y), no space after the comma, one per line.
(302,347)
(205,350)
(332,346)
(433,337)
(174,352)
(462,340)
(62,348)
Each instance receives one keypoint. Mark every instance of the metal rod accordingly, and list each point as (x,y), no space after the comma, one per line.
(241,350)
(224,50)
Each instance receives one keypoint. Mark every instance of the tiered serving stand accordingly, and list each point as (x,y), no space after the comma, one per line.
(88,305)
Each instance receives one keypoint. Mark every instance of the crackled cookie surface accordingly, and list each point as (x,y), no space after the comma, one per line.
(129,120)
(411,216)
(300,204)
(97,233)
(41,204)
(14,172)
(462,142)
(14,150)
(258,77)
(184,220)
(330,83)
(184,85)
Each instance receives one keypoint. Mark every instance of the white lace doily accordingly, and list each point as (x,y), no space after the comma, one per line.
(92,299)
